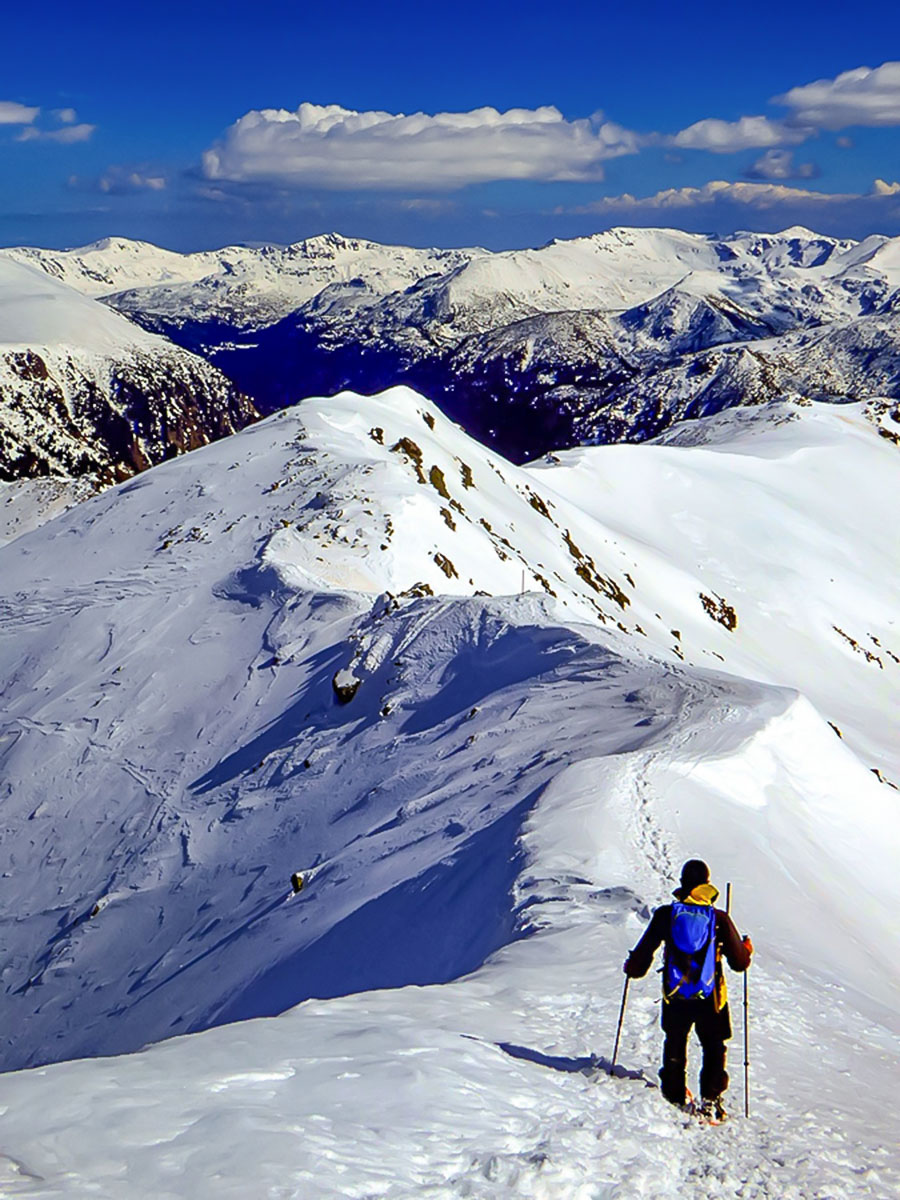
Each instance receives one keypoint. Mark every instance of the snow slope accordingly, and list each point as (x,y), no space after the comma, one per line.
(513,785)
(85,392)
(494,1085)
(27,504)
(37,310)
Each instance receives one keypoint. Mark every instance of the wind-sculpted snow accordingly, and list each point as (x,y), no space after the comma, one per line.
(607,338)
(488,812)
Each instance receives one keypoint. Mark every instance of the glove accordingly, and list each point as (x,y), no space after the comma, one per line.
(748,943)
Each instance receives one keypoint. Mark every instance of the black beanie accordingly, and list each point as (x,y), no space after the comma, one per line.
(694,872)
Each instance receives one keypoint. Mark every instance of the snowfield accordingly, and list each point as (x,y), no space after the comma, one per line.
(566,679)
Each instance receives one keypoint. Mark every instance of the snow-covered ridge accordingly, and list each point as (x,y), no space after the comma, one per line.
(85,392)
(38,310)
(512,783)
(613,271)
(256,285)
(356,499)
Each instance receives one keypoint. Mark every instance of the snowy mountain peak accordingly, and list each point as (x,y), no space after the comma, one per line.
(119,245)
(325,245)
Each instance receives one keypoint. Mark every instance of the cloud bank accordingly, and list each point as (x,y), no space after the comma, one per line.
(327,146)
(13,113)
(335,148)
(864,96)
(750,195)
(121,180)
(779,164)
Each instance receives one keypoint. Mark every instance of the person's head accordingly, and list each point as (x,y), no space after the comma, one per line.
(693,873)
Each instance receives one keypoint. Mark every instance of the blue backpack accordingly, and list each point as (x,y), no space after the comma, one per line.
(690,968)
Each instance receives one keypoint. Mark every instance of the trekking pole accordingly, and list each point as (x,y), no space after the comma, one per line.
(746,1051)
(746,1021)
(612,1065)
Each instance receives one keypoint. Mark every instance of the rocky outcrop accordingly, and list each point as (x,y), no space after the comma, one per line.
(67,413)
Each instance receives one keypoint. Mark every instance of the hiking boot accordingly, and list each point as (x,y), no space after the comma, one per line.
(712,1111)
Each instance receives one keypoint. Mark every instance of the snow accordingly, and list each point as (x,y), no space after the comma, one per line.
(482,829)
(605,338)
(29,503)
(262,284)
(85,391)
(36,310)
(494,1084)
(769,515)
(796,270)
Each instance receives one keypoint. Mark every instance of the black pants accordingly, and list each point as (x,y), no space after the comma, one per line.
(713,1030)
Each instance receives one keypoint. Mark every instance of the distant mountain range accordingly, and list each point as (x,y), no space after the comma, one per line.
(606,338)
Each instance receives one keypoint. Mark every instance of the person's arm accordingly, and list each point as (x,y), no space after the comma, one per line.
(737,950)
(638,962)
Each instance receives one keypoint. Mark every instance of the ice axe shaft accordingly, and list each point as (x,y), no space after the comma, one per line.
(615,1053)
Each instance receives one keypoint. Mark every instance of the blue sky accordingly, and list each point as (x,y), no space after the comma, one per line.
(182,123)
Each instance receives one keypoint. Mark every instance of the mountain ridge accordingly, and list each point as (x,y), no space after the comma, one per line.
(86,392)
(531,350)
(306,649)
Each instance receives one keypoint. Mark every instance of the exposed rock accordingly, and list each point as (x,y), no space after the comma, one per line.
(345,685)
(67,414)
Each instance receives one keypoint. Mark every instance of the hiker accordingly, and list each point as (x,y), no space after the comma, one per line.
(696,936)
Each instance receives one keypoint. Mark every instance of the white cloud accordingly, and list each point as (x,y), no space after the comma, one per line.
(752,195)
(429,206)
(117,180)
(337,148)
(12,113)
(747,133)
(779,164)
(66,136)
(882,188)
(66,116)
(864,96)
